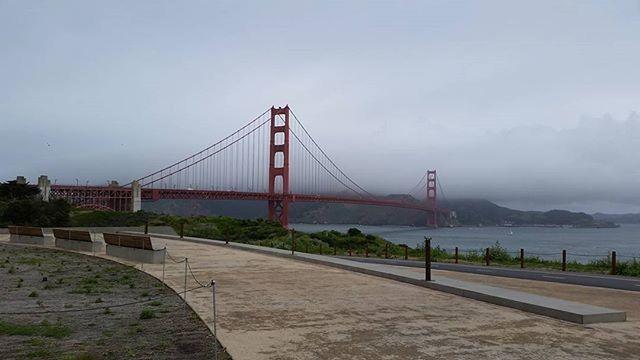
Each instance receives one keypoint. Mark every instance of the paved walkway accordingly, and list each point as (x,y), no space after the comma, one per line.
(542,305)
(275,308)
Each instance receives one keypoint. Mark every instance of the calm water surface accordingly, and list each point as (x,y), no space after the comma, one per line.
(581,244)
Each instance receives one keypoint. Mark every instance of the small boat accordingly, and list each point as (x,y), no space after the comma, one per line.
(510,233)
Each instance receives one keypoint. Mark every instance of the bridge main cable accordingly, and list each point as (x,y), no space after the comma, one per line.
(328,158)
(202,151)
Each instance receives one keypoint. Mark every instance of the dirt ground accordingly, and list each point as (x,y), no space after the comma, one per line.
(63,327)
(274,308)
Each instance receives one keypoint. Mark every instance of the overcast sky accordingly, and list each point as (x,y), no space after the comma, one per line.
(529,104)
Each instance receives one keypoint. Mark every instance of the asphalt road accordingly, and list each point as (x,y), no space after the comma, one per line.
(604,281)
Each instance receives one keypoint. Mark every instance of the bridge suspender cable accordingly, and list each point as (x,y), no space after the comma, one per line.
(204,150)
(327,157)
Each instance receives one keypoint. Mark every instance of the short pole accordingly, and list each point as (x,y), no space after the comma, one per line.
(427,259)
(613,263)
(186,264)
(366,250)
(215,333)
(564,260)
(406,252)
(386,250)
(486,257)
(146,227)
(164,261)
(521,258)
(320,248)
(456,255)
(293,242)
(349,250)
(181,230)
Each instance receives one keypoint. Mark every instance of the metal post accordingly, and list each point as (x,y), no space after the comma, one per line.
(386,250)
(181,230)
(186,264)
(306,248)
(521,258)
(486,257)
(164,261)
(146,227)
(613,263)
(406,252)
(456,254)
(366,250)
(564,260)
(215,332)
(293,242)
(427,259)
(349,250)
(320,248)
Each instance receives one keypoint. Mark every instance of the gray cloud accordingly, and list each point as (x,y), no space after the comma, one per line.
(504,98)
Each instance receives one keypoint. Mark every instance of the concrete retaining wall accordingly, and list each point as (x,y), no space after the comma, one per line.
(138,255)
(92,247)
(31,240)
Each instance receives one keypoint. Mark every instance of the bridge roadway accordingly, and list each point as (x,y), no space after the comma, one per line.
(603,281)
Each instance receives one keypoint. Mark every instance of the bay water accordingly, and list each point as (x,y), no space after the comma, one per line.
(582,245)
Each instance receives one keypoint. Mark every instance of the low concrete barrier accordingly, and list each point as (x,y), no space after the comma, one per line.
(133,247)
(28,235)
(76,240)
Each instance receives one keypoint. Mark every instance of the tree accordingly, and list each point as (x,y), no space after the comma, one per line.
(354,232)
(12,190)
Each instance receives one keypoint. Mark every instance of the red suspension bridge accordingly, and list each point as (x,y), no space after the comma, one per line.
(272,158)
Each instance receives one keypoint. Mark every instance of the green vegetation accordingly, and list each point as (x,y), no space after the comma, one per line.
(257,232)
(147,314)
(20,204)
(499,256)
(43,329)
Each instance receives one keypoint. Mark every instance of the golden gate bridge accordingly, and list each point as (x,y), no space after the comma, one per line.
(273,158)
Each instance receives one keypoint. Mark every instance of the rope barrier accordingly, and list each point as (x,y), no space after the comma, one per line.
(174,260)
(194,277)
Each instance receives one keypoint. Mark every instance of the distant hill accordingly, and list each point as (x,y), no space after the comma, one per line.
(484,212)
(618,218)
(469,212)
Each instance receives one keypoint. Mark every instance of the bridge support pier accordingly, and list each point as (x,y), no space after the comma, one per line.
(136,196)
(432,215)
(279,166)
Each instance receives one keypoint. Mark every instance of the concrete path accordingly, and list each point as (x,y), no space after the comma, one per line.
(274,308)
(560,309)
(605,281)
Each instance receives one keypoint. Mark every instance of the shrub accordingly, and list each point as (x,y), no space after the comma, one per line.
(147,314)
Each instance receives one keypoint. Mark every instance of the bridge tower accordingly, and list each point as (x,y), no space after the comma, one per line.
(279,166)
(432,215)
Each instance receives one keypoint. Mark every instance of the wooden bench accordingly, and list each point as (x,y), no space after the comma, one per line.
(26,230)
(77,235)
(28,235)
(79,240)
(132,241)
(133,247)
